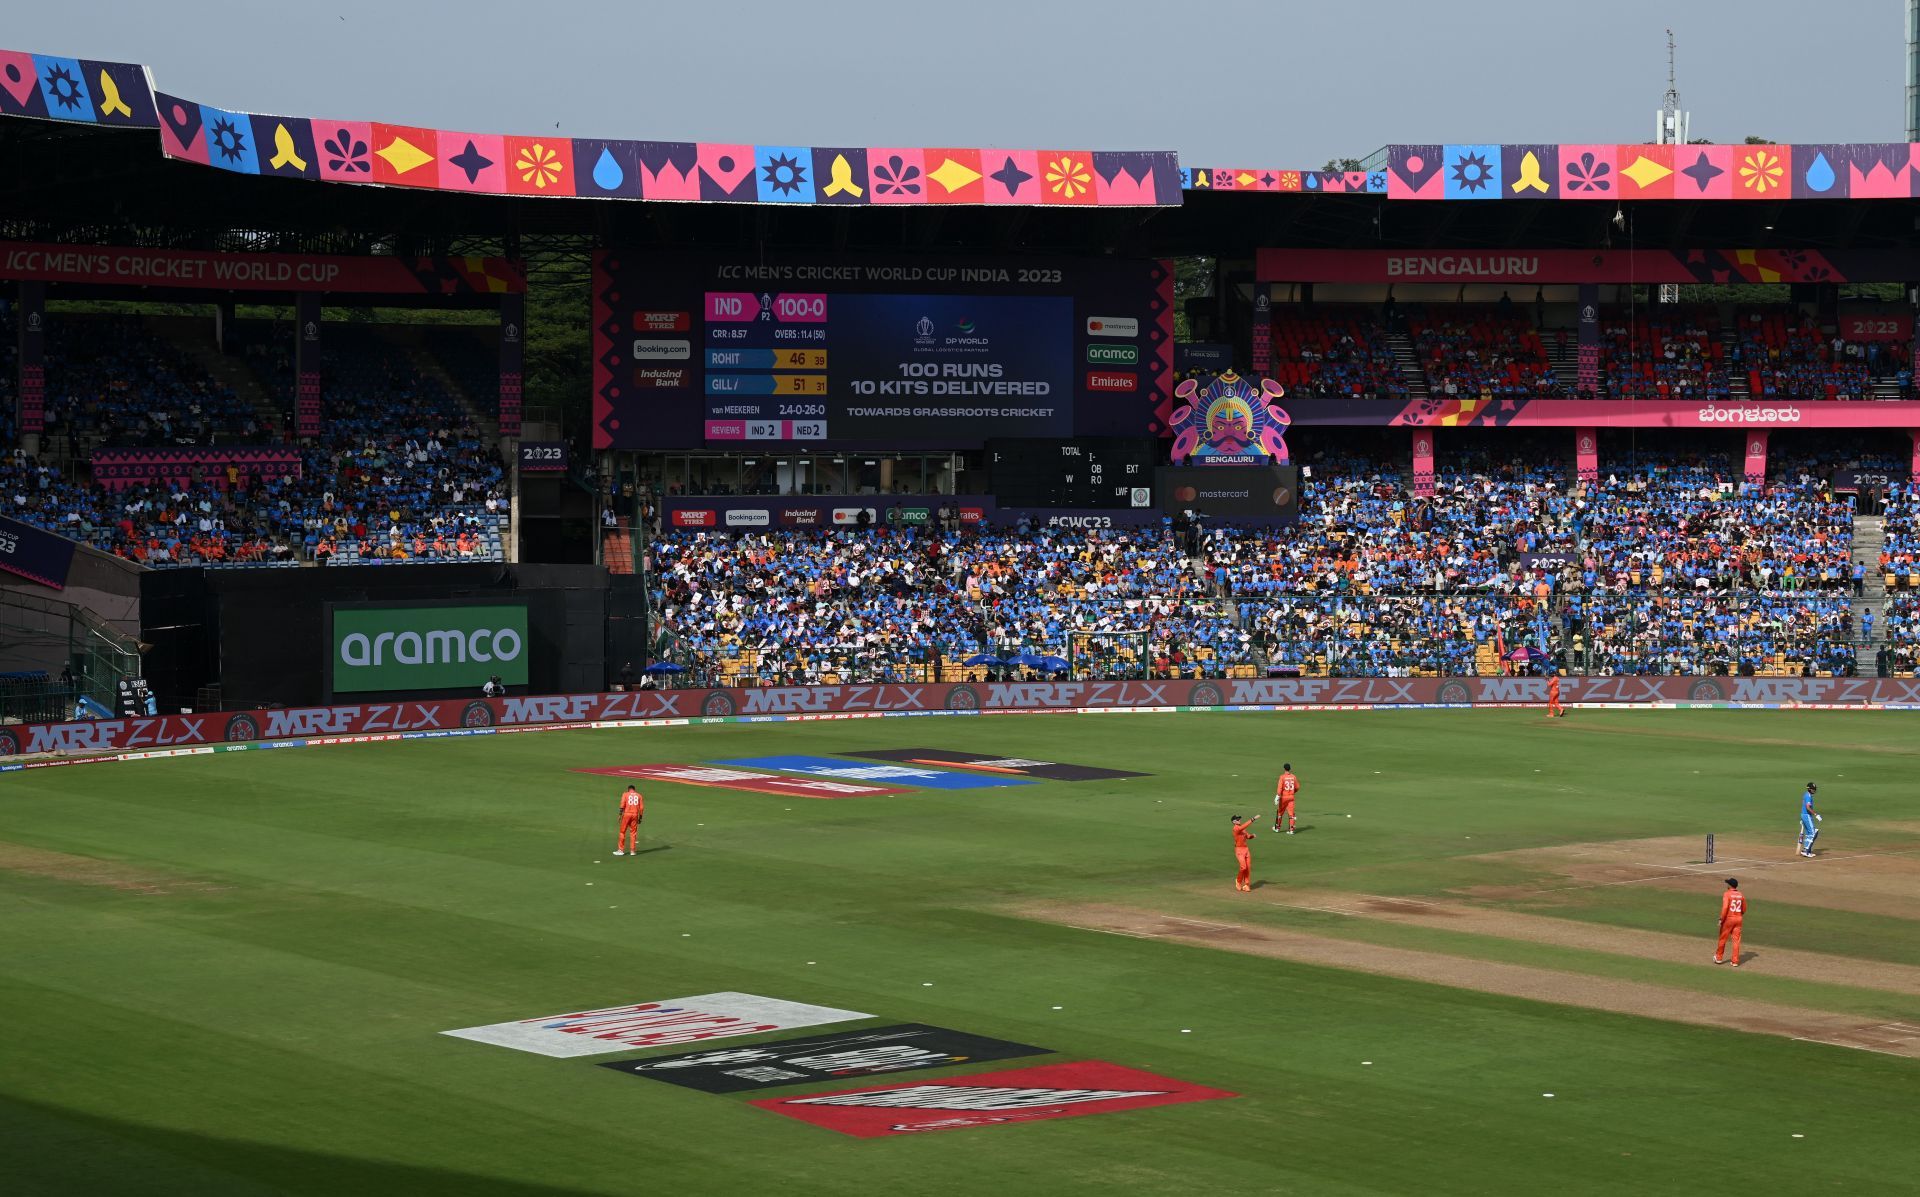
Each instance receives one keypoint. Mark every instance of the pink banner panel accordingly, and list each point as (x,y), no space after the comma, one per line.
(1587,266)
(899,175)
(473,162)
(1589,172)
(1423,462)
(1586,453)
(1012,176)
(1756,470)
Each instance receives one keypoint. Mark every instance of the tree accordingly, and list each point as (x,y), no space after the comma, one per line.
(559,352)
(1752,139)
(1343,165)
(1192,279)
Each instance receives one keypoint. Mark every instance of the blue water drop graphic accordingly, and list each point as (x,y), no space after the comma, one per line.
(1313,182)
(607,172)
(1819,174)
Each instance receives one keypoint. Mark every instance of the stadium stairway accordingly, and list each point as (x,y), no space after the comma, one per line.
(1869,535)
(409,339)
(616,551)
(1409,362)
(485,416)
(1565,359)
(191,337)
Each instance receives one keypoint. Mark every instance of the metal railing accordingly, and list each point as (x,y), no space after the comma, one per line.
(35,632)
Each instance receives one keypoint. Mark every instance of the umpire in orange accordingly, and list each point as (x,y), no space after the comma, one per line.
(1243,852)
(1733,908)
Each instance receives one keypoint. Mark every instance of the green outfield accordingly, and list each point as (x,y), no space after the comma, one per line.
(229,974)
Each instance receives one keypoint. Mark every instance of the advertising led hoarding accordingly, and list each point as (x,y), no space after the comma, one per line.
(1265,494)
(883,353)
(427,648)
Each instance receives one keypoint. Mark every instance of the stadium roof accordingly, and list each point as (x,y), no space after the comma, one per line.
(82,168)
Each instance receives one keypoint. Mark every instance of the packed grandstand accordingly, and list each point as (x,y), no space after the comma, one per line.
(402,470)
(1673,566)
(1669,562)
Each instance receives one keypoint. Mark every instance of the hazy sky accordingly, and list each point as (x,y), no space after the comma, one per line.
(1225,82)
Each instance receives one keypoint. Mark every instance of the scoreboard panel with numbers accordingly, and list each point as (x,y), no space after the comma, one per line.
(892,352)
(1084,472)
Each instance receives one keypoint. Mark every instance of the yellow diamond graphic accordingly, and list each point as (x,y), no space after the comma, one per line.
(404,156)
(1244,178)
(1645,172)
(951,175)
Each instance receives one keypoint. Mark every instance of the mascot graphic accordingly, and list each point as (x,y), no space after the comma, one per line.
(1230,423)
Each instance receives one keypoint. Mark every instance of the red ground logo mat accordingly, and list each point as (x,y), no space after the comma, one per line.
(990,1099)
(751,780)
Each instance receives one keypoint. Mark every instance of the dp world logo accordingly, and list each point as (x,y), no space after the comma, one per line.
(429,648)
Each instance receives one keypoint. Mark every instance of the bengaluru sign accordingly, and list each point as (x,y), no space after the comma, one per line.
(427,648)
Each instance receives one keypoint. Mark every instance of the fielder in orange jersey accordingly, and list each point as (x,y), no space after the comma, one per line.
(1243,852)
(1284,792)
(633,808)
(1733,908)
(1554,709)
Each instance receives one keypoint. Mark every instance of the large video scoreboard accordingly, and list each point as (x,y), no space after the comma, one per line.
(833,352)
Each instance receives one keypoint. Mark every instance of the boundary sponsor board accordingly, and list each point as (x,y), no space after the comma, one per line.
(990,1099)
(875,1051)
(1014,766)
(395,647)
(749,780)
(826,766)
(54,760)
(665,1023)
(447,716)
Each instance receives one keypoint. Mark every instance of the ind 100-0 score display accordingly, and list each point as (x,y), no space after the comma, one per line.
(884,354)
(1088,472)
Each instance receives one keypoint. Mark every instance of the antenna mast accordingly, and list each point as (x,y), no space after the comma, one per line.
(1670,123)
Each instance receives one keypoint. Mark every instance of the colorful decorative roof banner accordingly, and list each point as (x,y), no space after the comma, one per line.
(1599,172)
(75,89)
(87,91)
(112,93)
(597,168)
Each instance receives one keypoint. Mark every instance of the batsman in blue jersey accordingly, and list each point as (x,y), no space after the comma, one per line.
(1809,821)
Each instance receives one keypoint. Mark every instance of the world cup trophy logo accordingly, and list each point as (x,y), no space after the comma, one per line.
(1231,422)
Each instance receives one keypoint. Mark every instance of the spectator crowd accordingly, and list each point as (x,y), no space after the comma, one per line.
(400,471)
(1670,567)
